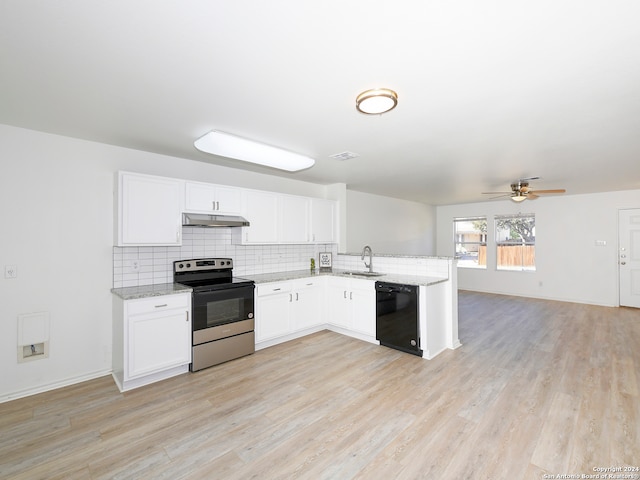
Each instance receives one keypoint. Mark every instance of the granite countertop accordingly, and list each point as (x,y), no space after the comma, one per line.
(144,291)
(385,277)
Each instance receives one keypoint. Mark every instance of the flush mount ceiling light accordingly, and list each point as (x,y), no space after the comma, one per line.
(230,146)
(519,197)
(376,101)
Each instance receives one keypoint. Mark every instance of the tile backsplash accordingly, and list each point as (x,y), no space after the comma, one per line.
(134,266)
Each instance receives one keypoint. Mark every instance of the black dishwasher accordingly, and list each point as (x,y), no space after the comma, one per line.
(397,323)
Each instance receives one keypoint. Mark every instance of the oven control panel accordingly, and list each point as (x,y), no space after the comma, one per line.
(203,264)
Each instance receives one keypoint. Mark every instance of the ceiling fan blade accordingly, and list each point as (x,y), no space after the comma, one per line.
(503,194)
(497,193)
(560,190)
(532,196)
(527,179)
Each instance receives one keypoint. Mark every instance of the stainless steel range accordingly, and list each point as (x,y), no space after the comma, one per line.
(222,310)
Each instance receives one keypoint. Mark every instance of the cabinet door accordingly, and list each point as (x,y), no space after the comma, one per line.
(307,304)
(212,199)
(228,200)
(272,316)
(261,209)
(199,197)
(324,221)
(294,219)
(150,210)
(363,309)
(338,303)
(157,341)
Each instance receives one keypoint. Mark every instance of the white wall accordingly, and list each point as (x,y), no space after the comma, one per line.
(389,225)
(569,265)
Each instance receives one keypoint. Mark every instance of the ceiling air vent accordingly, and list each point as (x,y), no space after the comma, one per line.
(344,156)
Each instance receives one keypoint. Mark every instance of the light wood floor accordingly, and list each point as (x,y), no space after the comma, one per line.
(537,388)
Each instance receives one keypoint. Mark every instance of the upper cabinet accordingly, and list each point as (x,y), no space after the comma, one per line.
(149,210)
(261,209)
(324,221)
(282,218)
(212,199)
(294,219)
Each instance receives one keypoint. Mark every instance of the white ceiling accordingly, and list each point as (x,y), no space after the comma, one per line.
(489,90)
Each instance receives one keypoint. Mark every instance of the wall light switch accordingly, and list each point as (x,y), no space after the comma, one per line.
(10,271)
(601,243)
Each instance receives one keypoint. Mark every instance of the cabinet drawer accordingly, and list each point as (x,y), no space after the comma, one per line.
(273,288)
(158,304)
(306,283)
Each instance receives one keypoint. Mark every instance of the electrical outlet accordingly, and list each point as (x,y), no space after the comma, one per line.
(10,271)
(134,266)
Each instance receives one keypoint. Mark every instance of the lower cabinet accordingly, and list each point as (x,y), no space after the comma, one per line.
(151,339)
(285,308)
(272,312)
(289,309)
(352,305)
(307,304)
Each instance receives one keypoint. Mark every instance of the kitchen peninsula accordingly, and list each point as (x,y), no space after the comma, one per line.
(295,303)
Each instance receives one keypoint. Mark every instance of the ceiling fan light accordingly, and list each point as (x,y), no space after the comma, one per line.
(518,198)
(376,101)
(238,148)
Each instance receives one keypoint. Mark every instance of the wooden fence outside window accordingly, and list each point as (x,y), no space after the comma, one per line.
(510,255)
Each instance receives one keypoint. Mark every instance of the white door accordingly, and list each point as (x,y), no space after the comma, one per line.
(629,257)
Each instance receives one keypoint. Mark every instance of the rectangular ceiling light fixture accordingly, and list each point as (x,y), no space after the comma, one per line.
(230,146)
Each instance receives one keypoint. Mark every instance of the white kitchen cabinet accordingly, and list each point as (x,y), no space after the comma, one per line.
(294,219)
(307,303)
(338,302)
(363,307)
(324,221)
(261,210)
(151,339)
(286,310)
(352,305)
(149,210)
(272,313)
(212,199)
(281,218)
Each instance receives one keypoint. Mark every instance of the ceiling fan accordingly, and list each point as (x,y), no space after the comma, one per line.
(520,191)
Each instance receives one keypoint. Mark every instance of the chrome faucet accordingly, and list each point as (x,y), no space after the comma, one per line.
(367,250)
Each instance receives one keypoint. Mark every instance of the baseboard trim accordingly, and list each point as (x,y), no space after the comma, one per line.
(53,386)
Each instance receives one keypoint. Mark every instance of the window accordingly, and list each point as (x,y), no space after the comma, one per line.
(516,242)
(470,241)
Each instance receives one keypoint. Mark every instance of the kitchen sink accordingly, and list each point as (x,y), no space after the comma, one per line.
(365,274)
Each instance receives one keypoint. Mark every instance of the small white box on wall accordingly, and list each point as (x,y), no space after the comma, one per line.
(33,336)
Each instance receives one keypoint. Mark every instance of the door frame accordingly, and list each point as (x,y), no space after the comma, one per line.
(618,277)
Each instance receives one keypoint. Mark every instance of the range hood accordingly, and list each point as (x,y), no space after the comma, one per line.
(202,220)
